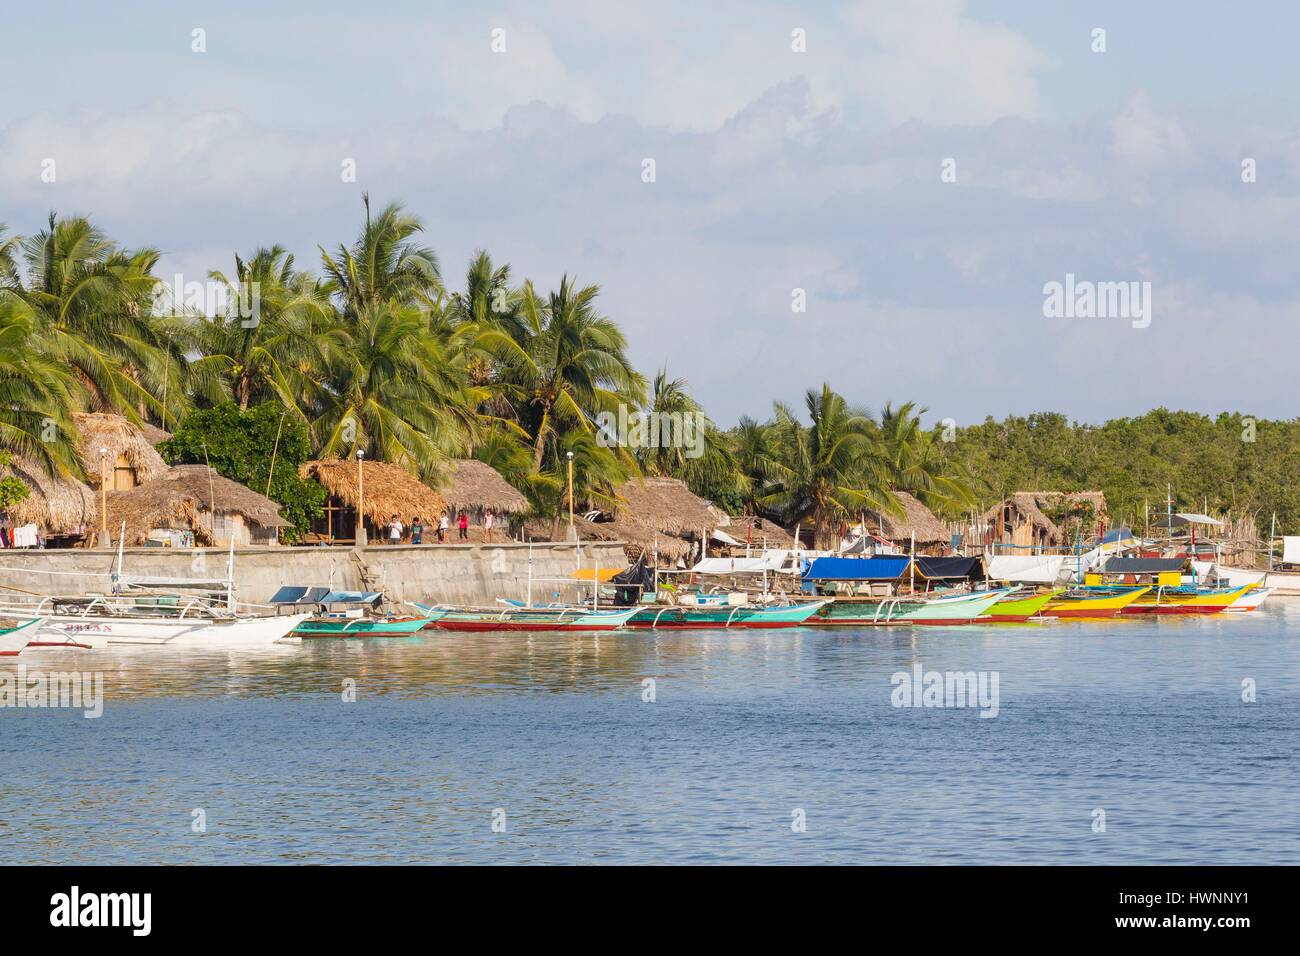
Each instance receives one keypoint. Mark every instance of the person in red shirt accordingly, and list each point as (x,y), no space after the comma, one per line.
(463,523)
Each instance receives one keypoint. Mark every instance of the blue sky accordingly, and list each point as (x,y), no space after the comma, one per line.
(775,171)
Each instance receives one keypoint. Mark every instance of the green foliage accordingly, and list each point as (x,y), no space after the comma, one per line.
(240,444)
(1228,463)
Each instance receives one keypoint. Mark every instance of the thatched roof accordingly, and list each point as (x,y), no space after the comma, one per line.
(121,438)
(665,505)
(153,434)
(180,497)
(475,485)
(389,489)
(59,504)
(636,539)
(917,518)
(1032,506)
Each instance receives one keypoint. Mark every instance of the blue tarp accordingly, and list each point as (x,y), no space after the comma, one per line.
(292,596)
(886,568)
(351,597)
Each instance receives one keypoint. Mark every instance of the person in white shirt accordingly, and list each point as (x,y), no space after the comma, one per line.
(487,525)
(443,524)
(395,530)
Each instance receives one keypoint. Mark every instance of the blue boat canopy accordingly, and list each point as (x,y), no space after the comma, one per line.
(948,568)
(350,597)
(294,596)
(883,568)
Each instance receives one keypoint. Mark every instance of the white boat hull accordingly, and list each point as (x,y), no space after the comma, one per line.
(59,630)
(1280,583)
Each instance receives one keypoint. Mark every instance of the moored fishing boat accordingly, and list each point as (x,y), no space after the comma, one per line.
(344,627)
(1251,600)
(942,610)
(1020,606)
(514,618)
(1093,601)
(718,615)
(1187,599)
(14,635)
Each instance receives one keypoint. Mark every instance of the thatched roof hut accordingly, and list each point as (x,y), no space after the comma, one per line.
(636,540)
(664,505)
(1023,517)
(917,519)
(389,489)
(132,459)
(475,488)
(195,498)
(758,532)
(61,505)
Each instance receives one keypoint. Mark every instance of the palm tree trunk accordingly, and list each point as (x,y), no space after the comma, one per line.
(539,445)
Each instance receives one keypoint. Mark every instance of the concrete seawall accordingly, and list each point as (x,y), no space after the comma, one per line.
(474,574)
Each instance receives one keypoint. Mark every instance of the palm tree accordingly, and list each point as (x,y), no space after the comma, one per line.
(689,445)
(10,246)
(391,391)
(916,461)
(37,392)
(92,303)
(831,468)
(383,265)
(276,353)
(571,366)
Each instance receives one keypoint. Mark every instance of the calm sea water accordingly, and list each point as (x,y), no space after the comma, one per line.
(748,733)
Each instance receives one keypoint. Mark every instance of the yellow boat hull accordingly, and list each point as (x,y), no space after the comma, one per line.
(1107,605)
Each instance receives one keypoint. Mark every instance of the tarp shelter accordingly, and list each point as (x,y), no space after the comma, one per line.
(1144,565)
(351,597)
(594,574)
(632,583)
(771,560)
(723,538)
(888,568)
(293,596)
(943,569)
(1036,569)
(1291,549)
(1192,517)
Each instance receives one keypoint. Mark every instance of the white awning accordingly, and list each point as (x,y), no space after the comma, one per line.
(724,538)
(1033,569)
(1191,517)
(1291,549)
(771,560)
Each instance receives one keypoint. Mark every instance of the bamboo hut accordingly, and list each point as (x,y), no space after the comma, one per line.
(63,506)
(1022,520)
(132,460)
(194,499)
(389,490)
(476,488)
(931,535)
(752,535)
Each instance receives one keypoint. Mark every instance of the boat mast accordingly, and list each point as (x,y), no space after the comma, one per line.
(529,600)
(1272,529)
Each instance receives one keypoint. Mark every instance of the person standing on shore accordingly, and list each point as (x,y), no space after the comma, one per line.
(442,527)
(395,530)
(462,522)
(417,530)
(487,525)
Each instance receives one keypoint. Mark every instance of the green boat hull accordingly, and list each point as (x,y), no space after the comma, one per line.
(1020,609)
(724,616)
(359,628)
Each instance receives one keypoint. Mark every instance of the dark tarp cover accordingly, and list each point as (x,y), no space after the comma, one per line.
(886,568)
(293,596)
(632,582)
(1144,565)
(936,568)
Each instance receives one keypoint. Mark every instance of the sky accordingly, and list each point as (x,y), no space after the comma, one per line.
(916,176)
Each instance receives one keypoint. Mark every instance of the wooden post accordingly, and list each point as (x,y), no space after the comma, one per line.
(104,540)
(361,501)
(572,532)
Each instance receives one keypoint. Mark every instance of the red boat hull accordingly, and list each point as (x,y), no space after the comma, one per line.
(84,647)
(1177,609)
(518,626)
(1006,618)
(1080,612)
(714,625)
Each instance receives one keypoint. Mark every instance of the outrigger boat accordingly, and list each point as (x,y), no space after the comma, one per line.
(359,617)
(1250,600)
(1189,599)
(15,635)
(717,614)
(1093,601)
(1019,606)
(515,618)
(941,610)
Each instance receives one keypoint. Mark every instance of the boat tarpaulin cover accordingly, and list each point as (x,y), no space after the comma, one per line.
(1143,565)
(631,583)
(351,597)
(771,560)
(1291,549)
(1031,569)
(857,569)
(941,568)
(293,595)
(1192,517)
